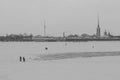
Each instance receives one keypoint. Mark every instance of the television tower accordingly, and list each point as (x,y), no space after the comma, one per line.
(44,28)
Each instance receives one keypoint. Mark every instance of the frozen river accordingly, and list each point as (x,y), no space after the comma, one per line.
(96,68)
(11,50)
(57,47)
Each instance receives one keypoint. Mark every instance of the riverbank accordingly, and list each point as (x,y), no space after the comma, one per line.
(62,40)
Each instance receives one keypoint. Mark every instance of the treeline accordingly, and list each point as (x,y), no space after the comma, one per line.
(17,37)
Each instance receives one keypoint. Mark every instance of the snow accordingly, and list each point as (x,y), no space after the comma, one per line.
(100,68)
(80,68)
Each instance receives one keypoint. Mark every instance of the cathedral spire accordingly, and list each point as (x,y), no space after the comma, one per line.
(98,28)
(98,21)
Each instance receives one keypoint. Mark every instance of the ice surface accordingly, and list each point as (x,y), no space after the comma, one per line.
(89,68)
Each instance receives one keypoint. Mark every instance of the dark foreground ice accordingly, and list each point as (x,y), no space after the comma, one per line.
(75,55)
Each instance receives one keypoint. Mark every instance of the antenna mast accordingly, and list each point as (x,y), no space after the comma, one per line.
(44,28)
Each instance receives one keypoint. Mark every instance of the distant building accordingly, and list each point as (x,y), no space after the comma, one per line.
(37,37)
(105,33)
(86,36)
(98,29)
(98,32)
(73,35)
(63,34)
(109,34)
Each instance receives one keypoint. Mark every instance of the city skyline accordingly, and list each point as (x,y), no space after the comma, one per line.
(70,16)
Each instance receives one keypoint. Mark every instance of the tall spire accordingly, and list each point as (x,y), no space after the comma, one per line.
(98,20)
(44,28)
(98,28)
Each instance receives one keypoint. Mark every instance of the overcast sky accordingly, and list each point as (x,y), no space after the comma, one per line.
(70,16)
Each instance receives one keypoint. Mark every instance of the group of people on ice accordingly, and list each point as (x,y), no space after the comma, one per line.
(22,59)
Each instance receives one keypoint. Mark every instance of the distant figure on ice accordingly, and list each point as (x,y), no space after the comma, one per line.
(23,59)
(20,59)
(46,48)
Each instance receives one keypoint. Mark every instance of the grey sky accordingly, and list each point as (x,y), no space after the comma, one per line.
(70,16)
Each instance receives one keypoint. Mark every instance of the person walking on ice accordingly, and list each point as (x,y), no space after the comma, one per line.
(23,59)
(20,59)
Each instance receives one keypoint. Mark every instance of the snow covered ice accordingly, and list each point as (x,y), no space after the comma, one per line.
(78,68)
